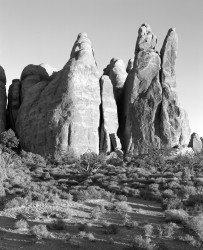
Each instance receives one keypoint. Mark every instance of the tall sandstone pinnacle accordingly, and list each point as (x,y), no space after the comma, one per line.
(152,114)
(116,71)
(175,129)
(109,117)
(3,100)
(59,113)
(143,95)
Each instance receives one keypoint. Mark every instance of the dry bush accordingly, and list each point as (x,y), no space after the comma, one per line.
(176,215)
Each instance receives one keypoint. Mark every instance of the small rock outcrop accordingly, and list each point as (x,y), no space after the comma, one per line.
(175,130)
(195,143)
(3,100)
(59,113)
(109,127)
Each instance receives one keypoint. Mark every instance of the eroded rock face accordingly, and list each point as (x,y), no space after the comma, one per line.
(175,130)
(13,102)
(143,95)
(3,100)
(59,113)
(109,127)
(195,143)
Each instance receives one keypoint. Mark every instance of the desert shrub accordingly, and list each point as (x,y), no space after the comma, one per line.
(57,224)
(21,225)
(122,207)
(153,187)
(172,203)
(176,215)
(90,162)
(196,224)
(193,199)
(8,139)
(167,193)
(140,243)
(33,160)
(148,229)
(121,198)
(111,229)
(40,231)
(16,202)
(66,196)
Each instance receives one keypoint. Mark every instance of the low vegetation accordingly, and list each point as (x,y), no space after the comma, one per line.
(34,188)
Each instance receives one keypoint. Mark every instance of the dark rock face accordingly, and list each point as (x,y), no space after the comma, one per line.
(13,102)
(175,130)
(59,113)
(109,127)
(143,96)
(3,100)
(195,143)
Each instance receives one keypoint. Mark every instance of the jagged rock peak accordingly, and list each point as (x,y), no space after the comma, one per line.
(130,65)
(82,46)
(146,39)
(168,55)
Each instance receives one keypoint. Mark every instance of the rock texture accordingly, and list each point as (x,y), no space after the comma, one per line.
(3,100)
(13,103)
(143,95)
(195,143)
(109,126)
(59,113)
(175,130)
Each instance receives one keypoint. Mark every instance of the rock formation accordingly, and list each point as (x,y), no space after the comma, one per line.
(59,113)
(143,95)
(175,130)
(195,143)
(109,127)
(13,103)
(116,71)
(70,112)
(153,116)
(3,100)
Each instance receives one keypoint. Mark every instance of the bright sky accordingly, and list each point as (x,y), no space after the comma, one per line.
(36,31)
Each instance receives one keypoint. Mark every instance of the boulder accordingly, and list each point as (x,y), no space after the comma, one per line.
(3,100)
(195,143)
(13,103)
(108,135)
(59,114)
(143,95)
(175,129)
